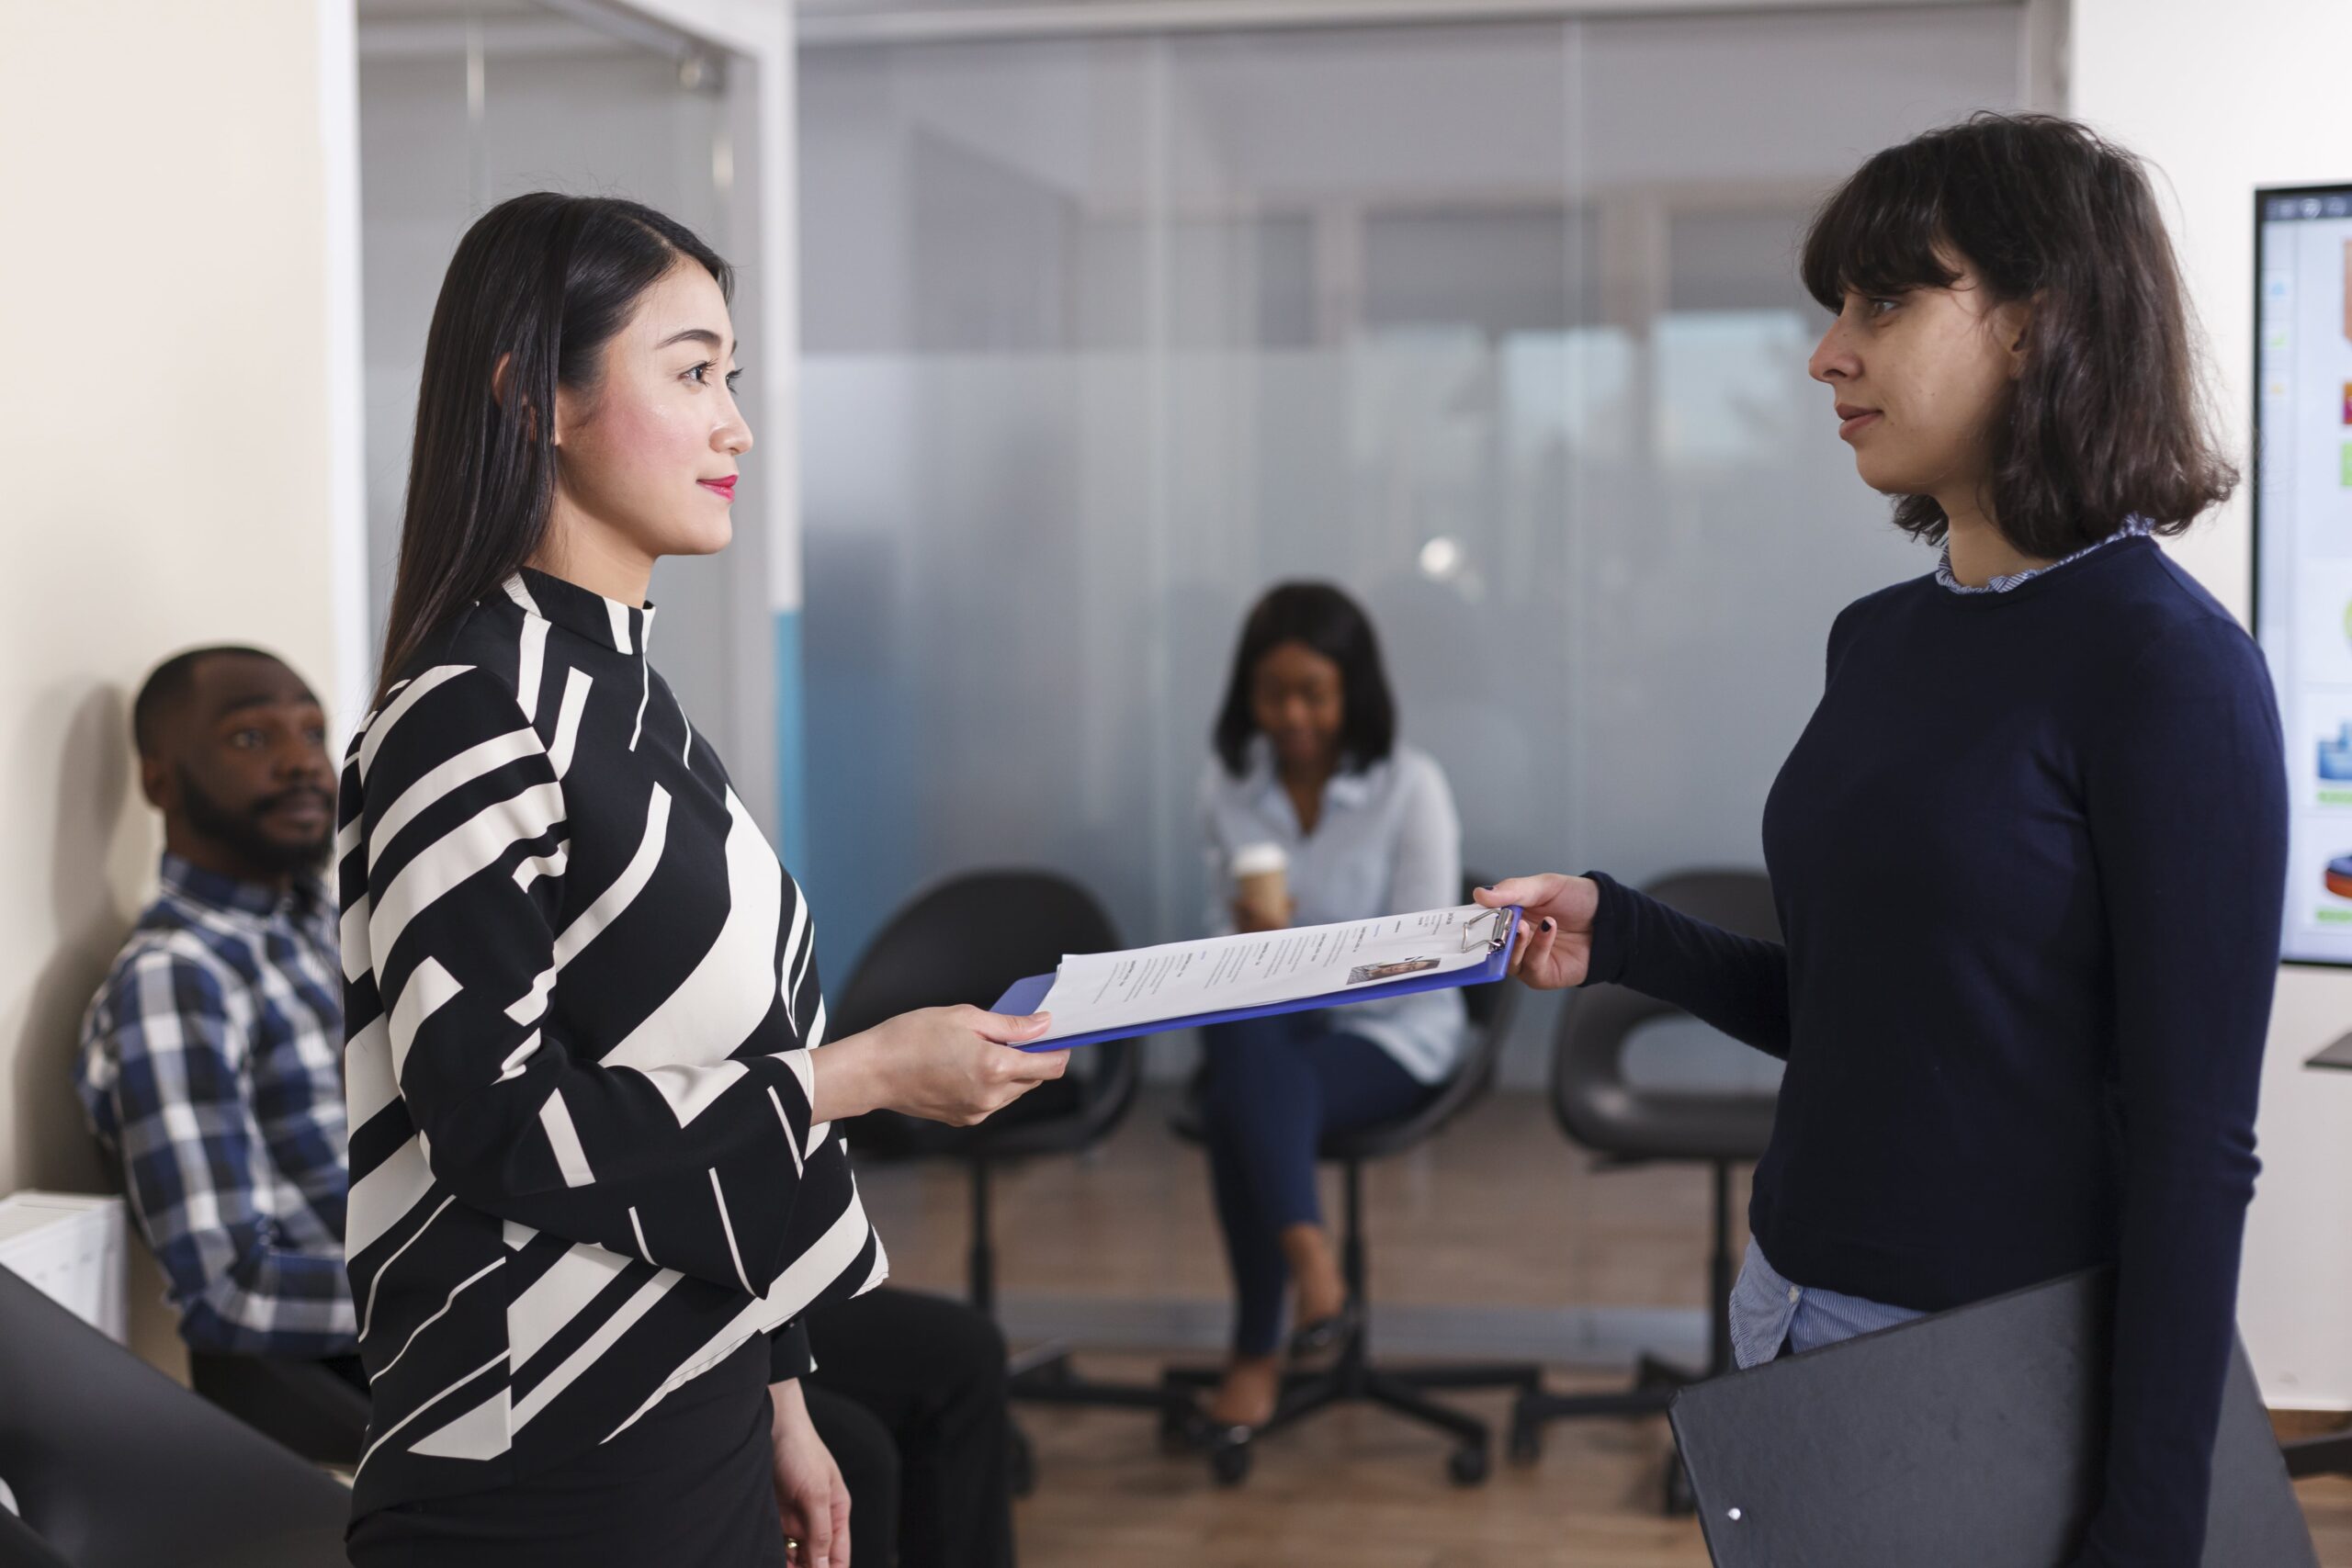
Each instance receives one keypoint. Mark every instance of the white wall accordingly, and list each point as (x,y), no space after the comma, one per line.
(168,457)
(2223,98)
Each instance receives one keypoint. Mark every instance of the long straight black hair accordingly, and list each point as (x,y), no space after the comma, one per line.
(540,284)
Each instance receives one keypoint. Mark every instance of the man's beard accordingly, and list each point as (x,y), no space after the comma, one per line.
(243,833)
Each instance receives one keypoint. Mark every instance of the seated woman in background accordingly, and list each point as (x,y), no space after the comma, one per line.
(1307,762)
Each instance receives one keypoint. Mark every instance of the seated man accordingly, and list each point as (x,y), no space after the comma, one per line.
(212,1055)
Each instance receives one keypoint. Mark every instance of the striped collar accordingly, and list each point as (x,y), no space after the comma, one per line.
(607,623)
(2132,528)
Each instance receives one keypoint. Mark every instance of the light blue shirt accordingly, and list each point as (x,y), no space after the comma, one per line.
(1768,1310)
(2132,527)
(1389,842)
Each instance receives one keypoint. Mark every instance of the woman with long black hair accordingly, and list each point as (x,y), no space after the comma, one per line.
(593,1190)
(2029,853)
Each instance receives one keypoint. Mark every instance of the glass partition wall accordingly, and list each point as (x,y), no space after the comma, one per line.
(1495,324)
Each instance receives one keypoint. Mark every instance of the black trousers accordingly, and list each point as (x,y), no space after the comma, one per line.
(908,1394)
(691,1485)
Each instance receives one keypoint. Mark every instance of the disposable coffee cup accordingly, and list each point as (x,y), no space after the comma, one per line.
(1261,882)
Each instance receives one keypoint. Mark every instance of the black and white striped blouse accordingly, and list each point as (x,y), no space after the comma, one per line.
(579,995)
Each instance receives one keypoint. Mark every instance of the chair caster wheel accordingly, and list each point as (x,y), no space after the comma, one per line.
(1467,1464)
(1526,1442)
(1229,1461)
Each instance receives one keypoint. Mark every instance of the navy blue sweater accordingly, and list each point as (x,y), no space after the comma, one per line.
(2028,857)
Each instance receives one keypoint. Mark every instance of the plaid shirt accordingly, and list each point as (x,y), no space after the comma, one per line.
(212,1070)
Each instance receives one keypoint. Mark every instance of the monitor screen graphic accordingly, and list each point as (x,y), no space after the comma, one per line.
(2303,529)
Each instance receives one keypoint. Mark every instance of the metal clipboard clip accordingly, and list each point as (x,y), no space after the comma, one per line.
(1499,931)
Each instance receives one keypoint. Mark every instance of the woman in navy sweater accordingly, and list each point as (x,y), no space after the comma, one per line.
(2029,852)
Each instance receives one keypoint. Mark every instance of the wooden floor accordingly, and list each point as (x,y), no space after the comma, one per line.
(1499,1211)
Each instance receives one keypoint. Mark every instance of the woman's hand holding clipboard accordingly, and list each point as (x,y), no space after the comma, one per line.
(1554,946)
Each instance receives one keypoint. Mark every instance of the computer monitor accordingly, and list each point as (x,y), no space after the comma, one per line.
(2303,534)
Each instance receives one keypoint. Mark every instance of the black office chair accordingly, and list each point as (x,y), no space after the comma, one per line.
(114,1465)
(1352,1378)
(1627,1125)
(298,1404)
(967,941)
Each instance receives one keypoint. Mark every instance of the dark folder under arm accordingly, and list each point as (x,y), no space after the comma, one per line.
(1970,1440)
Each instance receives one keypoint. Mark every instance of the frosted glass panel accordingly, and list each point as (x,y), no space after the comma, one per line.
(1495,324)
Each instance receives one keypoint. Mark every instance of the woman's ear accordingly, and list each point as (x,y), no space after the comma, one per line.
(2013,323)
(500,381)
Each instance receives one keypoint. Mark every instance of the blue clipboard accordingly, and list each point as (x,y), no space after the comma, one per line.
(1024,997)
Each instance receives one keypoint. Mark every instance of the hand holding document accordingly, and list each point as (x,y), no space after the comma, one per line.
(1107,994)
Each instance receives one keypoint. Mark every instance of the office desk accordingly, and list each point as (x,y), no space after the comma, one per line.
(2338,1054)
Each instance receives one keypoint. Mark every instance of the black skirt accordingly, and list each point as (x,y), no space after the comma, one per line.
(691,1485)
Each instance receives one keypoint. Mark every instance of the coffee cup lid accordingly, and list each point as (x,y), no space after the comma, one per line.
(1256,860)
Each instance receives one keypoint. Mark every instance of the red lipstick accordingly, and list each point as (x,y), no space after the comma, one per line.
(724,489)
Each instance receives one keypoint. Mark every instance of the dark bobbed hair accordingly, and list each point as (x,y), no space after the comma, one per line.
(169,684)
(1323,618)
(542,281)
(2108,418)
